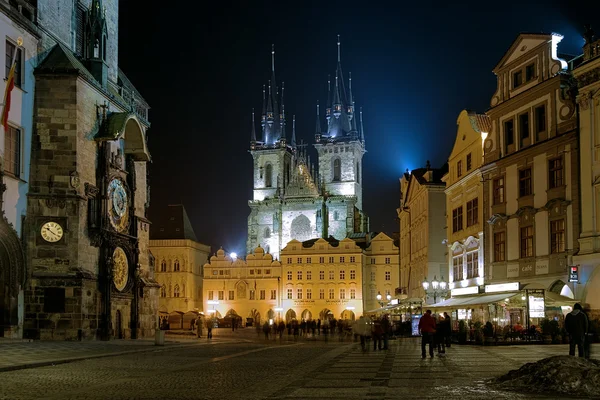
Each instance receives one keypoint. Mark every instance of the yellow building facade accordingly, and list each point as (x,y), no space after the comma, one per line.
(242,288)
(464,204)
(422,215)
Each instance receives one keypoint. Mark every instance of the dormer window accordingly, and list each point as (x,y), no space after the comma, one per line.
(517,79)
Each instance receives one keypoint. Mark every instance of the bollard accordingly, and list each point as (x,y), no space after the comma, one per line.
(159,338)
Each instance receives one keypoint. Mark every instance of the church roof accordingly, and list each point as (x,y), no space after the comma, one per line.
(172,222)
(62,60)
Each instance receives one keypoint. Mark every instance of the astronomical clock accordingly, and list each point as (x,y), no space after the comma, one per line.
(118,205)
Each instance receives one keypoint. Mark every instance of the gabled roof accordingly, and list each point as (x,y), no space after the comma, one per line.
(172,223)
(62,60)
(419,176)
(514,51)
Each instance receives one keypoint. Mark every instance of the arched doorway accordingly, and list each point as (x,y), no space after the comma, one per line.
(254,317)
(306,315)
(325,314)
(270,314)
(348,315)
(118,325)
(232,319)
(290,315)
(12,272)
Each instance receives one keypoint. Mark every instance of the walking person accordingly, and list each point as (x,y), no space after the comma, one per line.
(363,328)
(209,328)
(266,329)
(447,330)
(319,326)
(427,330)
(377,334)
(440,340)
(576,325)
(387,328)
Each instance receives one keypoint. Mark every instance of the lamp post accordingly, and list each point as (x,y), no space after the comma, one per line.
(435,288)
(379,297)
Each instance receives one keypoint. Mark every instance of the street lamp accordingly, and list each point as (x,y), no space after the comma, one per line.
(379,297)
(436,288)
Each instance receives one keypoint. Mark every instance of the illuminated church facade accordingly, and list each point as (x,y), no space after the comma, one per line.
(294,198)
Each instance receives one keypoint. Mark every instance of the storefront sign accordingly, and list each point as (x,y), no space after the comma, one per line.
(301,302)
(512,271)
(574,273)
(502,287)
(464,290)
(536,303)
(541,269)
(336,301)
(527,270)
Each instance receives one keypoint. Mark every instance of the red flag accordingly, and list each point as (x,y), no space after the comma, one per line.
(10,84)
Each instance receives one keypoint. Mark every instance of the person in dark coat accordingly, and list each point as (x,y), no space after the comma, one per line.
(439,334)
(447,330)
(576,325)
(427,330)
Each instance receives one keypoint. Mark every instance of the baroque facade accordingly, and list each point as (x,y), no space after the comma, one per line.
(86,230)
(315,279)
(531,180)
(291,200)
(422,216)
(178,262)
(464,205)
(588,98)
(20,41)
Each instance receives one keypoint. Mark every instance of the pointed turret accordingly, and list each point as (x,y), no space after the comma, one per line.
(337,103)
(274,119)
(293,132)
(253,134)
(350,98)
(263,118)
(328,109)
(96,34)
(362,129)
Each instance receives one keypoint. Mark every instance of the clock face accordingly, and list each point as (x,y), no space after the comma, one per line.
(120,269)
(52,232)
(119,205)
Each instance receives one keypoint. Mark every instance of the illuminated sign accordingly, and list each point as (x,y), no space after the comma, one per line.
(464,313)
(502,287)
(574,273)
(536,303)
(465,290)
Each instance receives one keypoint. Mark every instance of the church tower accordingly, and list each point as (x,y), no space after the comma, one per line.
(96,42)
(272,163)
(341,149)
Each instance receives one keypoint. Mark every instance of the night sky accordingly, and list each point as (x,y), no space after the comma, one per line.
(201,66)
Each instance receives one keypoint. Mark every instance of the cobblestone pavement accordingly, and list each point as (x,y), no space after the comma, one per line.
(242,365)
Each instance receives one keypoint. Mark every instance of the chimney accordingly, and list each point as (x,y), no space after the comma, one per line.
(429,174)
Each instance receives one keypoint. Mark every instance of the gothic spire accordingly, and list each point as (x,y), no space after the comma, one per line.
(318,123)
(350,98)
(337,105)
(339,52)
(362,129)
(253,135)
(293,132)
(328,110)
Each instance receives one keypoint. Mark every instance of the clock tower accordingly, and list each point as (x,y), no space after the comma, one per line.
(90,273)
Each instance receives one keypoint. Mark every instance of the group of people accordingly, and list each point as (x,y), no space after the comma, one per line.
(436,330)
(379,329)
(304,328)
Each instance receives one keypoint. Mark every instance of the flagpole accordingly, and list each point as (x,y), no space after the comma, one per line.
(10,85)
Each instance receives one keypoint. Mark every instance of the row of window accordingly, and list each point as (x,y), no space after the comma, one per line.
(262,293)
(472,215)
(555,179)
(331,294)
(251,272)
(526,240)
(530,75)
(472,259)
(299,260)
(524,133)
(342,275)
(176,291)
(176,266)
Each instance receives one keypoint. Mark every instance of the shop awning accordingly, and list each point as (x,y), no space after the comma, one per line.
(472,300)
(556,299)
(381,309)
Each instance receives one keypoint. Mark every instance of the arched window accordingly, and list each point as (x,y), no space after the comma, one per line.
(267,233)
(163,266)
(176,266)
(357,172)
(176,291)
(163,291)
(337,170)
(269,175)
(335,215)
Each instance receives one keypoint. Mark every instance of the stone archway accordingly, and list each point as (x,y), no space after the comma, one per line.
(348,315)
(290,315)
(12,275)
(306,315)
(325,314)
(255,315)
